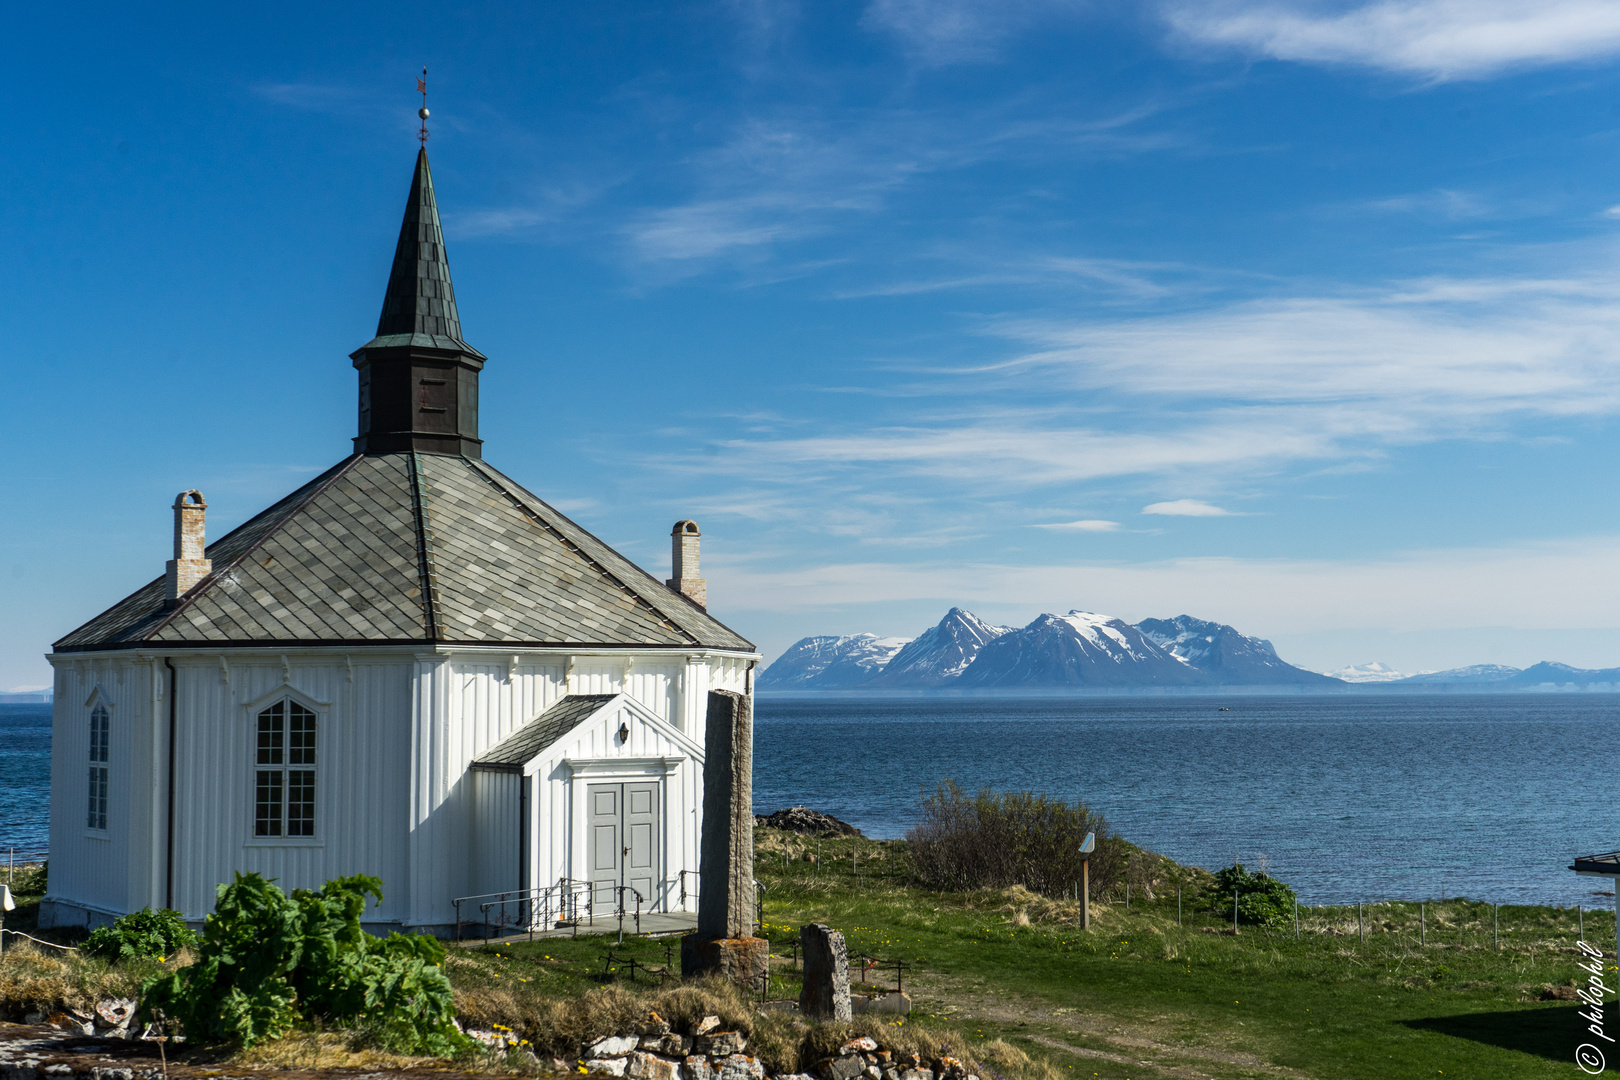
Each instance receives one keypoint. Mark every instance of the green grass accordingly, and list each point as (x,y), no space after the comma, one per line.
(1328,1005)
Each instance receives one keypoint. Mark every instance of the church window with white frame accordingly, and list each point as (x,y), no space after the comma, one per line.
(284,771)
(100,747)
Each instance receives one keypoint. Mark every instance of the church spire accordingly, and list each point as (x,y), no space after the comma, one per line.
(418,378)
(420,299)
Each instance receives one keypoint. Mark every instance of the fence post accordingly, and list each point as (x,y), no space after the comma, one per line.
(1496,926)
(1423,924)
(1361,927)
(1127,896)
(1178,905)
(1234,910)
(1296,918)
(1085,894)
(1580,922)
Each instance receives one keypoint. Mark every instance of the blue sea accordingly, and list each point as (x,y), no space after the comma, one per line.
(25,779)
(1346,798)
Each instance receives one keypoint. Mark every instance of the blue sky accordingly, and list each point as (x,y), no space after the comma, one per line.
(1299,316)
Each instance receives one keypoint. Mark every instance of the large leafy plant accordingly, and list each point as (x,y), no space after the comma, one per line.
(141,933)
(1262,900)
(269,961)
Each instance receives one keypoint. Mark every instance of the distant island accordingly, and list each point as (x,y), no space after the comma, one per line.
(1085,651)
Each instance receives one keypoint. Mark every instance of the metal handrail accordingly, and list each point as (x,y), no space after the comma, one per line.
(682,876)
(621,912)
(533,906)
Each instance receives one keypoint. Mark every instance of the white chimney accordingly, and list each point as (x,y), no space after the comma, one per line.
(683,563)
(188,565)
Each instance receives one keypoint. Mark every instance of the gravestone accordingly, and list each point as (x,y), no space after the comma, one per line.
(725,943)
(826,973)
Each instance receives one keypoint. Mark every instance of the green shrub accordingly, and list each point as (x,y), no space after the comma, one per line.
(1262,899)
(996,840)
(141,933)
(269,961)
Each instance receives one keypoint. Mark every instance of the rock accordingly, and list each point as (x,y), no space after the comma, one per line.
(651,1067)
(669,1044)
(524,1055)
(723,1043)
(610,1066)
(950,1068)
(115,1012)
(826,973)
(843,1068)
(743,960)
(34,1018)
(891,1073)
(653,1025)
(697,1067)
(706,1025)
(739,1067)
(809,822)
(894,1002)
(58,1070)
(917,1074)
(611,1046)
(19,1072)
(861,1044)
(1550,992)
(111,1074)
(872,1072)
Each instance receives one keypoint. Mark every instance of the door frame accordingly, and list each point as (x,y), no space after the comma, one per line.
(582,773)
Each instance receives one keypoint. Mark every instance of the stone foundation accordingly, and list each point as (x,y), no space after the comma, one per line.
(742,960)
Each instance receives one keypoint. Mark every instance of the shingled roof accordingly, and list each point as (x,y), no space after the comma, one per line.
(408,548)
(520,747)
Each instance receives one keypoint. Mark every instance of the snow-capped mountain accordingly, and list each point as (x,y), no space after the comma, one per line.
(1475,673)
(1077,649)
(1367,673)
(1226,656)
(1552,674)
(939,654)
(830,663)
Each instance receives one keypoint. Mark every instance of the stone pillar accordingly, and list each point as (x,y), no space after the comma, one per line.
(826,973)
(725,941)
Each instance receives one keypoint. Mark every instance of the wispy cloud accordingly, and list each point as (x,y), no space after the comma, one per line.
(940,32)
(1435,39)
(1568,583)
(1089,525)
(1185,508)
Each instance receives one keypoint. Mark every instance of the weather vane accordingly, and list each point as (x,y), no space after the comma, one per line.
(421,88)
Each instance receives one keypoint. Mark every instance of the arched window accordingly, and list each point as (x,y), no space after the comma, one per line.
(100,745)
(284,780)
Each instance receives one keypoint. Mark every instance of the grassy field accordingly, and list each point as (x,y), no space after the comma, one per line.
(1140,995)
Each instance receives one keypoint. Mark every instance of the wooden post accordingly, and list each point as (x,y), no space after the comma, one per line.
(1234,910)
(1361,927)
(1496,926)
(1127,896)
(1085,894)
(1580,922)
(1296,918)
(1423,924)
(1178,905)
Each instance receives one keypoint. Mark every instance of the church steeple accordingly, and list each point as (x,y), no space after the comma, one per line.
(418,378)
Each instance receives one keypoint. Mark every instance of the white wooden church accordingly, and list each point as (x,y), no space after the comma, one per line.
(411,667)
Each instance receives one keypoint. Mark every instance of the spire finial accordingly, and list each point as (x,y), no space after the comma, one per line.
(421,88)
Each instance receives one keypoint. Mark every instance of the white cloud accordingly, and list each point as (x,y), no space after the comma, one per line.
(1437,39)
(1612,212)
(1212,398)
(1090,525)
(1185,508)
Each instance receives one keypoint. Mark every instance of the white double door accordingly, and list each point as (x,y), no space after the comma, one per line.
(621,839)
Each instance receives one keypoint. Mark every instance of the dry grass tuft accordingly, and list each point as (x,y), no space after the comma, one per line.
(325,1050)
(561,1026)
(34,977)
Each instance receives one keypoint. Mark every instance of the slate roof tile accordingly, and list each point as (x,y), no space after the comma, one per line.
(339,560)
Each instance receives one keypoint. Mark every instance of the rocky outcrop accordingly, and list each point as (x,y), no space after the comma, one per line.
(809,822)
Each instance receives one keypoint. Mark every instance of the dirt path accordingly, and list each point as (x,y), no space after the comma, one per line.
(1123,1043)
